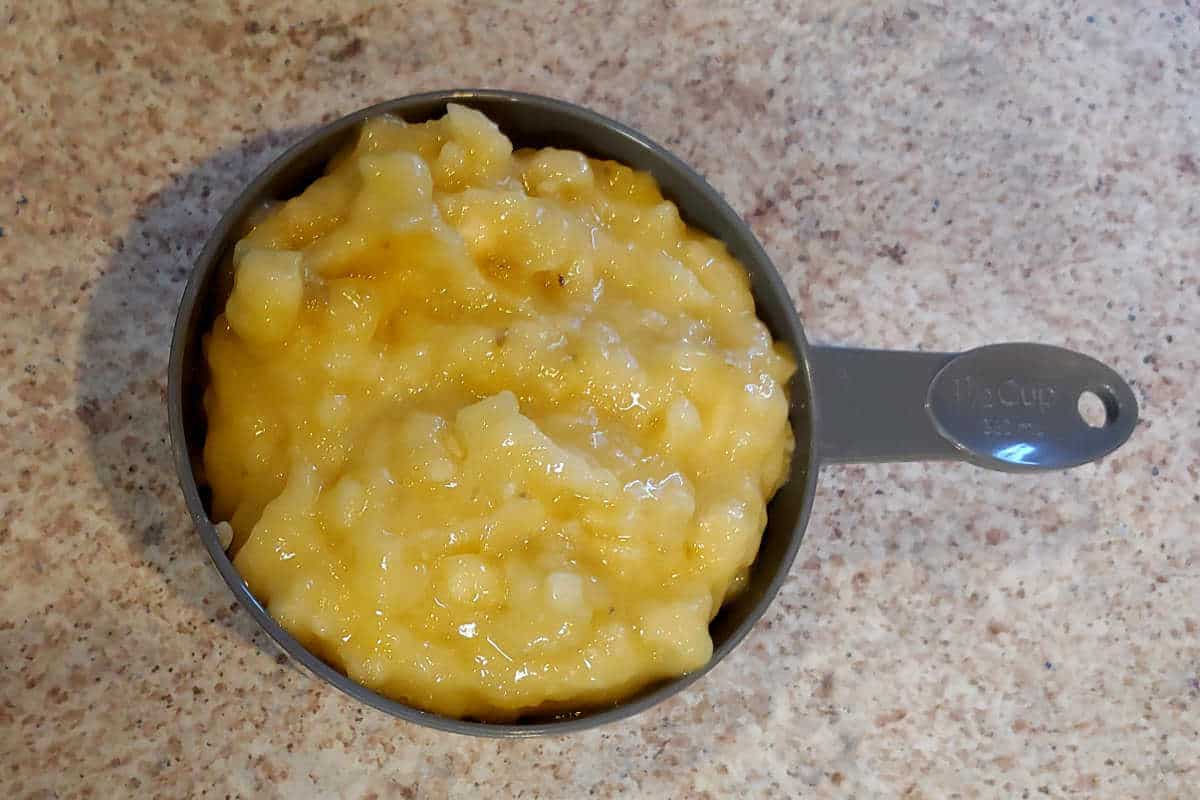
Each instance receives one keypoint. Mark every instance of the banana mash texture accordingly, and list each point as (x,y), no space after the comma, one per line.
(495,430)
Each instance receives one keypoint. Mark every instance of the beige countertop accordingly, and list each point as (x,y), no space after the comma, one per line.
(932,175)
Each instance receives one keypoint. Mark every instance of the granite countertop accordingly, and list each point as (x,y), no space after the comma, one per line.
(926,175)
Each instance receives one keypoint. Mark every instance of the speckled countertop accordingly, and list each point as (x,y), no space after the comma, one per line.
(935,175)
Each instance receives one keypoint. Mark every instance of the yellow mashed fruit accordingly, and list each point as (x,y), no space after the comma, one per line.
(495,430)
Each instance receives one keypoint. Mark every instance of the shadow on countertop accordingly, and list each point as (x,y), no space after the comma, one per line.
(122,373)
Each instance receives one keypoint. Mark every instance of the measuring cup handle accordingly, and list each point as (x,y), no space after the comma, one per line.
(1012,407)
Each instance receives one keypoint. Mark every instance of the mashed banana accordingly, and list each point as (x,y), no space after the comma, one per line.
(495,430)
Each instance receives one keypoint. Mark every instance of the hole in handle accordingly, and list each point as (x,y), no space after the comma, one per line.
(1097,407)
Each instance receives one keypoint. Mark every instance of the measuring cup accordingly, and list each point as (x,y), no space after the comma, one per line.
(1012,407)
